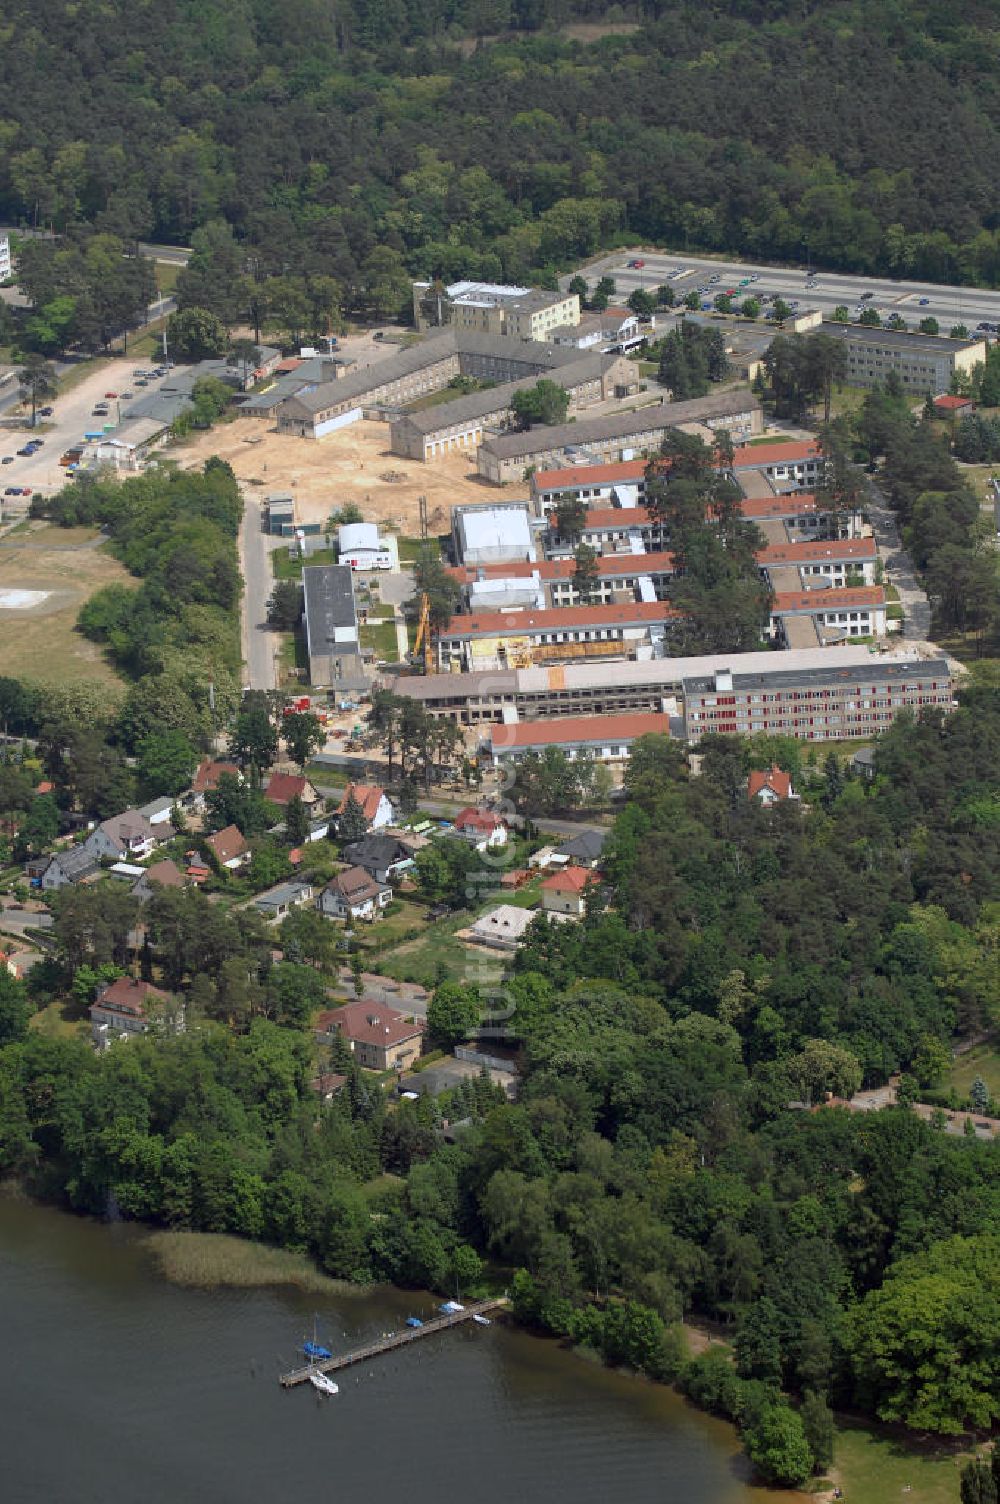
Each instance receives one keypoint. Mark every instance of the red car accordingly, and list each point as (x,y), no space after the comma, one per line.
(110,395)
(637,265)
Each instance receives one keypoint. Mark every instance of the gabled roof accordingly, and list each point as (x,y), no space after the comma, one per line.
(376,850)
(75,863)
(128,995)
(367,1022)
(773,780)
(285,786)
(208,775)
(226,844)
(585,847)
(570,880)
(369,796)
(166,874)
(355,885)
(478,819)
(130,825)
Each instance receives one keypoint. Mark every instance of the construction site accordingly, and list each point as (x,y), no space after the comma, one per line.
(351,466)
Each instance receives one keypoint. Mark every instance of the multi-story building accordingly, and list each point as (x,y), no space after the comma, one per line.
(507,639)
(528,313)
(6,266)
(924,363)
(508,457)
(331,623)
(462,423)
(830,702)
(548,693)
(608,738)
(788,465)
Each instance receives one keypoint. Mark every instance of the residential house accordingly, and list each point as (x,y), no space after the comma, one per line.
(206,779)
(502,928)
(376,806)
(278,902)
(165,874)
(770,786)
(379,1038)
(354,894)
(126,837)
(583,850)
(284,787)
(385,857)
(122,1008)
(485,830)
(69,866)
(157,811)
(565,892)
(863,763)
(327,1085)
(229,848)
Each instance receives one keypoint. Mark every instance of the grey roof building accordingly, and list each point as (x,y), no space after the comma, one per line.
(331,623)
(923,362)
(507,456)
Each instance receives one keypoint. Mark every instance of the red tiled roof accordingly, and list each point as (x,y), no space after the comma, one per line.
(753,456)
(828,600)
(285,366)
(608,517)
(952,404)
(369,796)
(811,552)
(285,786)
(520,623)
(773,778)
(478,819)
(792,504)
(128,995)
(580,728)
(45,787)
(570,880)
(209,773)
(625,473)
(226,844)
(367,1022)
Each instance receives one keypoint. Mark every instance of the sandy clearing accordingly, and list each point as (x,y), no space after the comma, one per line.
(38,638)
(347,466)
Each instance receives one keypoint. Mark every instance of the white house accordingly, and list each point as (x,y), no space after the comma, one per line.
(126,837)
(359,545)
(565,892)
(376,806)
(485,830)
(354,894)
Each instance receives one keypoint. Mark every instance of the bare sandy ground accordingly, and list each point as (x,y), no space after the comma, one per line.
(351,465)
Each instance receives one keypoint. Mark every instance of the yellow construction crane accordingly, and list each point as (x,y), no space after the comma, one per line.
(423,638)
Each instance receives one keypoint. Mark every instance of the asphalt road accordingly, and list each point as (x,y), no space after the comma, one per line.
(260,643)
(949,305)
(73,417)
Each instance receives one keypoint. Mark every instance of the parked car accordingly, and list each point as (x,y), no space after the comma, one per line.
(12,491)
(923,302)
(866,297)
(25,490)
(142,381)
(26,452)
(111,396)
(8,459)
(46,412)
(637,265)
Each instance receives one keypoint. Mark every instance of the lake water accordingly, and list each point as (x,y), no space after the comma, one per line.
(117,1386)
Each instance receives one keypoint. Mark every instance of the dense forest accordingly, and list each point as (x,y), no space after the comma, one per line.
(365,139)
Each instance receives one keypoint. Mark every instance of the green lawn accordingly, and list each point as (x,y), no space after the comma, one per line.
(983,1060)
(418,960)
(292,656)
(61,1019)
(875,1468)
(286,568)
(409,548)
(380,636)
(770,438)
(846,399)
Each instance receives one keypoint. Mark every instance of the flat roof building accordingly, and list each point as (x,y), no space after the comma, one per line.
(331,624)
(924,363)
(492,534)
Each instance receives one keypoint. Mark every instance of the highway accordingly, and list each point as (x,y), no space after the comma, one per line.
(913,301)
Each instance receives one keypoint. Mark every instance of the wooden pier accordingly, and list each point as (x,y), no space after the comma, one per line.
(391,1343)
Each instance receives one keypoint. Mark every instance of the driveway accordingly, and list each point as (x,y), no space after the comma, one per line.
(899,570)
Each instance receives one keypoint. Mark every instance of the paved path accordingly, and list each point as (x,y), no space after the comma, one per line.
(899,570)
(260,643)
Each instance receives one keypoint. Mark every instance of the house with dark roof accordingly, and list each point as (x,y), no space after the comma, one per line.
(278,902)
(70,866)
(383,857)
(354,894)
(583,850)
(127,837)
(380,1038)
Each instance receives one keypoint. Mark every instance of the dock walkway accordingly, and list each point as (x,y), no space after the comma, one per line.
(391,1343)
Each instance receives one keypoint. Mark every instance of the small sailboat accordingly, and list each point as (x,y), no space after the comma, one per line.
(451,1307)
(314,1349)
(480,1320)
(323,1384)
